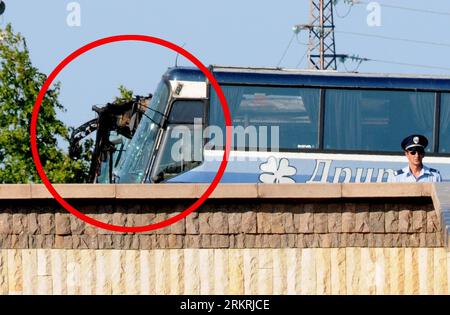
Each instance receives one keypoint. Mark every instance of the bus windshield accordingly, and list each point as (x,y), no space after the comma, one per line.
(138,153)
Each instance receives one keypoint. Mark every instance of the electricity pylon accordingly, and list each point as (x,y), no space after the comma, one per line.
(321,44)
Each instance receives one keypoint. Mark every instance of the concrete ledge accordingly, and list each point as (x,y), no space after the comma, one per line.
(299,190)
(149,191)
(386,190)
(225,191)
(15,191)
(440,195)
(82,191)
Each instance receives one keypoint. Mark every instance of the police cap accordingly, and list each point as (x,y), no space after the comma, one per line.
(414,141)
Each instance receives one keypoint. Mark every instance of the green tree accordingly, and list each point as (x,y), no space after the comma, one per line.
(126,95)
(20,83)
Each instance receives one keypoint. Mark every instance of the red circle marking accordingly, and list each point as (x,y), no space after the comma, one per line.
(119,38)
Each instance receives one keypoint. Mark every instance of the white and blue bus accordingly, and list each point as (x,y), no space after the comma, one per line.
(289,126)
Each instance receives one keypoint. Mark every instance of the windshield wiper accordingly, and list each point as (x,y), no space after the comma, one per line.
(152,120)
(155,111)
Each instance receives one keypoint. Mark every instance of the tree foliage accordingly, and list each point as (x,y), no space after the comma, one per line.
(126,95)
(20,83)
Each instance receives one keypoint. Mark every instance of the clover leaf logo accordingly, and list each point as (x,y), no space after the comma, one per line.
(277,172)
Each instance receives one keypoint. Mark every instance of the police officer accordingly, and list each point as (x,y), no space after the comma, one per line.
(414,147)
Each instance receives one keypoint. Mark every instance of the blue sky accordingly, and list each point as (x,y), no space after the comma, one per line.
(239,33)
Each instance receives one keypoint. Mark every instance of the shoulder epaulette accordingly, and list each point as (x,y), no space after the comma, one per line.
(398,172)
(433,170)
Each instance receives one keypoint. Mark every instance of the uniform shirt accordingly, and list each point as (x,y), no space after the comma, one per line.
(427,174)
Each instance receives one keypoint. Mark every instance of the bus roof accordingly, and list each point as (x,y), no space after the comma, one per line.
(314,78)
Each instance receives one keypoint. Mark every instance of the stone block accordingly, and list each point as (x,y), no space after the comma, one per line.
(235,223)
(206,241)
(419,220)
(127,241)
(320,219)
(119,218)
(362,218)
(335,240)
(59,242)
(324,240)
(62,223)
(249,222)
(19,222)
(105,241)
(118,241)
(376,218)
(310,240)
(239,241)
(304,219)
(388,240)
(33,225)
(361,240)
(422,239)
(192,223)
(39,241)
(432,222)
(249,240)
(68,243)
(46,223)
(396,240)
(5,241)
(77,226)
(391,218)
(405,221)
(274,240)
(348,239)
(160,217)
(348,217)
(204,218)
(105,216)
(18,241)
(178,227)
(220,241)
(277,223)
(259,241)
(431,240)
(413,240)
(334,218)
(145,241)
(264,219)
(379,240)
(192,241)
(219,222)
(175,241)
(78,242)
(135,242)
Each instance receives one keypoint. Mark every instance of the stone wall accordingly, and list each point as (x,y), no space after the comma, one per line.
(246,239)
(354,270)
(224,224)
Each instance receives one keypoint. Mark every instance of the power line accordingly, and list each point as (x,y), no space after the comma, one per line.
(301,60)
(405,8)
(286,50)
(396,38)
(347,13)
(408,64)
(342,58)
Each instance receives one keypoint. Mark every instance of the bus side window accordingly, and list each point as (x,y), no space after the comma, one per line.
(444,134)
(182,146)
(289,117)
(375,120)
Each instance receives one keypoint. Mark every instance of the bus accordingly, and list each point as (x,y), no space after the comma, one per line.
(288,126)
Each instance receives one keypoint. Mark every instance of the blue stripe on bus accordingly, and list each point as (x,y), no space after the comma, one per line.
(319,80)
